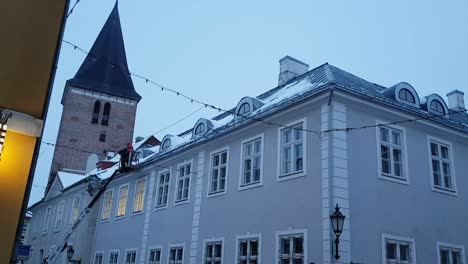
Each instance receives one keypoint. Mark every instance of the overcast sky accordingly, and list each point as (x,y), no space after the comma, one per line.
(221,51)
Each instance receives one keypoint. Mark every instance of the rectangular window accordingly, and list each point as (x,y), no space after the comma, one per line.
(98,258)
(218,172)
(175,255)
(248,250)
(37,223)
(291,249)
(450,254)
(114,258)
(122,204)
(398,250)
(213,252)
(251,162)
(131,257)
(139,199)
(155,256)
(183,182)
(75,208)
(291,152)
(48,219)
(391,153)
(106,205)
(163,189)
(59,216)
(441,163)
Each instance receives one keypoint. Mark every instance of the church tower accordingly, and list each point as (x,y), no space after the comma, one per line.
(99,104)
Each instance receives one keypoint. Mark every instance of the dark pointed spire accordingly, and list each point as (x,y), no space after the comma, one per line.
(105,68)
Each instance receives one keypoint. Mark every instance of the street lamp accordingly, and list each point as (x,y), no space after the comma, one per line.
(70,252)
(337,220)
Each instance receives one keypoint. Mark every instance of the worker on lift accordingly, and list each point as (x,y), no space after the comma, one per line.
(126,155)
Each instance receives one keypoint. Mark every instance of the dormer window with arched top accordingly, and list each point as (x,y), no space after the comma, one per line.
(246,106)
(166,144)
(202,126)
(406,95)
(403,93)
(437,107)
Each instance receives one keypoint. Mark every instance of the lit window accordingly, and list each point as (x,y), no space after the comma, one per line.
(406,95)
(166,144)
(155,256)
(59,215)
(114,258)
(122,204)
(139,199)
(291,150)
(244,110)
(391,153)
(437,106)
(450,254)
(75,208)
(131,257)
(105,115)
(163,189)
(183,183)
(218,172)
(106,205)
(291,249)
(441,166)
(251,162)
(398,251)
(98,258)
(213,252)
(96,109)
(200,129)
(175,255)
(248,250)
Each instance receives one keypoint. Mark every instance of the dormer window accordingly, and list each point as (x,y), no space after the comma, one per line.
(436,106)
(166,144)
(244,110)
(406,95)
(200,129)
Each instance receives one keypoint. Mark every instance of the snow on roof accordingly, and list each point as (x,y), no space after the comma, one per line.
(68,179)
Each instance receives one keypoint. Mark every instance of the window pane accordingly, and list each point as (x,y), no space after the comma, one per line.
(243,248)
(396,138)
(215,160)
(297,243)
(404,253)
(298,133)
(436,172)
(224,158)
(286,136)
(397,162)
(434,149)
(384,134)
(254,248)
(456,257)
(257,146)
(248,149)
(384,150)
(391,250)
(444,256)
(444,152)
(285,246)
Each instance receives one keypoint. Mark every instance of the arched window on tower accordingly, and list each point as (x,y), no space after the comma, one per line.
(97,108)
(105,115)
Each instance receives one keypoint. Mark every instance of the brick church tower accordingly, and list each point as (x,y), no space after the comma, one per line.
(99,104)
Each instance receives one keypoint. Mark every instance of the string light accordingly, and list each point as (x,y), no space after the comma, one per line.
(3,128)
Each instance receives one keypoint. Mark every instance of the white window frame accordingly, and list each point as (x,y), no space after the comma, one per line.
(156,207)
(409,240)
(210,173)
(257,236)
(292,175)
(72,208)
(183,164)
(128,250)
(117,216)
(175,245)
(114,251)
(212,240)
(48,219)
(160,248)
(290,232)
(461,248)
(440,141)
(404,154)
(241,168)
(59,217)
(100,252)
(135,196)
(103,203)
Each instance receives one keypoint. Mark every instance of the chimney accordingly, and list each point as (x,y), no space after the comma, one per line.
(456,101)
(290,68)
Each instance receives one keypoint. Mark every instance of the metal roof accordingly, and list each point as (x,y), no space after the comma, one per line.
(105,68)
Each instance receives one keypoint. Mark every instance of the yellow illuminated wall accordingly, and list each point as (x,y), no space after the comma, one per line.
(15,163)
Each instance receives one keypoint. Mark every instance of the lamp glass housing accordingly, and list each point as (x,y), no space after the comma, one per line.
(70,252)
(337,220)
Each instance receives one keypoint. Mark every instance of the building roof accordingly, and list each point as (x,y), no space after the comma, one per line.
(105,68)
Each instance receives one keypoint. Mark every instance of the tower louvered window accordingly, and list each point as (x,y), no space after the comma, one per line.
(105,115)
(97,108)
